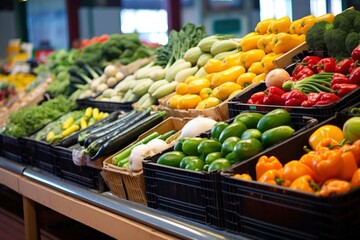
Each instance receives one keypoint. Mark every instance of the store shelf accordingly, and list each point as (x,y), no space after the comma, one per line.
(104,212)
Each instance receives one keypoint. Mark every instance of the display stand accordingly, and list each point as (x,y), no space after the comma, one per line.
(116,217)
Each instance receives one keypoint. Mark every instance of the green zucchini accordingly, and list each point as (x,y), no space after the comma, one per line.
(109,129)
(130,134)
(84,134)
(71,140)
(167,135)
(95,145)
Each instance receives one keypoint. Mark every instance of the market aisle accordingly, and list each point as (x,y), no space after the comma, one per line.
(54,226)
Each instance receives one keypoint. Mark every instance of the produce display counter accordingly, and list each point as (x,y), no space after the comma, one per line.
(113,216)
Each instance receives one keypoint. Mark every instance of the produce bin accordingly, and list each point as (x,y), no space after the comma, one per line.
(130,185)
(218,113)
(13,149)
(238,104)
(105,106)
(194,195)
(264,211)
(83,175)
(40,154)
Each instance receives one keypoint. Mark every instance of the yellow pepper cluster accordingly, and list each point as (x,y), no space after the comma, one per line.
(18,80)
(228,77)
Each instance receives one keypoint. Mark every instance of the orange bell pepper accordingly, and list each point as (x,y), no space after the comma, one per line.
(330,165)
(272,176)
(266,163)
(355,179)
(334,186)
(349,165)
(295,169)
(325,131)
(305,183)
(355,148)
(244,176)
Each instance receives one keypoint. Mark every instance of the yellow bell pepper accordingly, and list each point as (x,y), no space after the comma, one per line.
(208,103)
(228,75)
(249,43)
(251,56)
(306,23)
(245,79)
(213,65)
(263,42)
(259,78)
(205,93)
(263,25)
(173,101)
(279,25)
(231,60)
(267,61)
(196,85)
(329,17)
(295,26)
(223,91)
(284,42)
(256,67)
(188,101)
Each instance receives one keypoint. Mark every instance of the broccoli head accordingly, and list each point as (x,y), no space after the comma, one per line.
(335,42)
(352,41)
(315,36)
(345,20)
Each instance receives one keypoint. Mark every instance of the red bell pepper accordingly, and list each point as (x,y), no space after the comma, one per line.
(273,96)
(294,98)
(305,72)
(355,54)
(355,76)
(257,98)
(325,98)
(343,89)
(343,66)
(311,101)
(297,69)
(310,61)
(326,65)
(339,78)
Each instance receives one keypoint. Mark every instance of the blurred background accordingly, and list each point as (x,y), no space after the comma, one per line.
(57,24)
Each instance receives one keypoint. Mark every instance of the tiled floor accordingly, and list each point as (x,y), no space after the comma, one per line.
(54,226)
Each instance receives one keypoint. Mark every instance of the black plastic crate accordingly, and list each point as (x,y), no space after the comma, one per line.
(40,154)
(83,175)
(105,106)
(239,104)
(14,149)
(191,194)
(264,211)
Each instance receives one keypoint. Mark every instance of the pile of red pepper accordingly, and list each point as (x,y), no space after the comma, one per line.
(346,78)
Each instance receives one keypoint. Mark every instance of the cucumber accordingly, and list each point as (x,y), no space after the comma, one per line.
(274,118)
(97,143)
(71,140)
(275,135)
(120,140)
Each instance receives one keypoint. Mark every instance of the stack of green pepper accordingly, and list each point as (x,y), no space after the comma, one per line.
(230,142)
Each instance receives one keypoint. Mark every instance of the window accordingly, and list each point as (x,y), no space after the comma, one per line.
(147,18)
(275,9)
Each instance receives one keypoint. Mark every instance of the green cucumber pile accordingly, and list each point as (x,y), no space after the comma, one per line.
(228,143)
